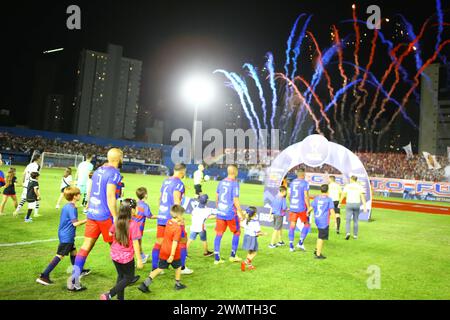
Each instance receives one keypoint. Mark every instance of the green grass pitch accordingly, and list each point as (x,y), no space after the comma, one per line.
(412,251)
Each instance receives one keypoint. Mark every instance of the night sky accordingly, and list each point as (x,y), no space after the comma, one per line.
(170,37)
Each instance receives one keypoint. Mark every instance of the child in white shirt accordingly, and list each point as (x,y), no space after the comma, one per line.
(252,232)
(199,216)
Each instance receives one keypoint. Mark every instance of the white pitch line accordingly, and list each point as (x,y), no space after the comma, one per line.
(27,242)
(24,243)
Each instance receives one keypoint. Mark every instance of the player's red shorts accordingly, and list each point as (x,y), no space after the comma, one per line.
(233,224)
(160,231)
(95,228)
(294,216)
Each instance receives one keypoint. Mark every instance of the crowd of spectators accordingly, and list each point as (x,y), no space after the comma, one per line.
(395,165)
(383,165)
(387,165)
(244,158)
(27,145)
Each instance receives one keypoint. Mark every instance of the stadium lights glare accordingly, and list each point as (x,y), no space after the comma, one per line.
(198,90)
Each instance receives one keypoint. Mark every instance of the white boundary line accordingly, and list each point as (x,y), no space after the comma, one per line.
(24,243)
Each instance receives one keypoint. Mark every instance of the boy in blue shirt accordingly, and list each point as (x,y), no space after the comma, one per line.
(278,212)
(66,234)
(323,206)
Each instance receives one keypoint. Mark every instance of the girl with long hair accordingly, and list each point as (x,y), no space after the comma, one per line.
(125,246)
(10,189)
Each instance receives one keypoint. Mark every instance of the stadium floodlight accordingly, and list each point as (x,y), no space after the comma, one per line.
(53,50)
(198,91)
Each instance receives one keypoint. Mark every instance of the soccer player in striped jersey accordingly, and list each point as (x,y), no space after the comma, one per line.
(32,167)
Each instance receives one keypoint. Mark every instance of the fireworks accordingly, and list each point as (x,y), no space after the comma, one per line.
(295,99)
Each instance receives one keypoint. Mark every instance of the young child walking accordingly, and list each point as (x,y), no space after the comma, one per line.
(252,232)
(278,212)
(170,250)
(126,234)
(323,206)
(68,223)
(199,216)
(142,213)
(33,196)
(10,189)
(66,182)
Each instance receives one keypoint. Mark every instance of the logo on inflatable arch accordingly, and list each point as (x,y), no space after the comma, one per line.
(316,151)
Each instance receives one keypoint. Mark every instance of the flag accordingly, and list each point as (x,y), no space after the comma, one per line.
(408,150)
(431,161)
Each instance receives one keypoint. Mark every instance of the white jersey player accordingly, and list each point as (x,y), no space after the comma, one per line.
(34,166)
(82,177)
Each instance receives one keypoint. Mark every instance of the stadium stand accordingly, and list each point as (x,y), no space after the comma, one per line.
(20,143)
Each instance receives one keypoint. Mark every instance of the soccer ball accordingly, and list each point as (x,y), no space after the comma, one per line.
(206,178)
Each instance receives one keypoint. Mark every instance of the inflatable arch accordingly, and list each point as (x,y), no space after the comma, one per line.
(315,151)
